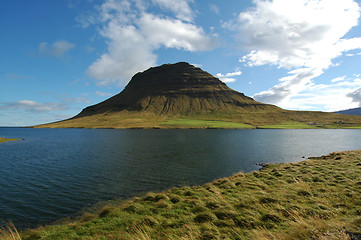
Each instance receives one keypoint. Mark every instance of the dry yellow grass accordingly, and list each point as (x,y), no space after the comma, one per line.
(7,139)
(9,232)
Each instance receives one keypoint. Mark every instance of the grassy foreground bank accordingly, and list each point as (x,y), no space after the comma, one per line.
(2,139)
(319,198)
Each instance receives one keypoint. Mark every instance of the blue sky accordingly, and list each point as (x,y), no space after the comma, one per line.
(58,57)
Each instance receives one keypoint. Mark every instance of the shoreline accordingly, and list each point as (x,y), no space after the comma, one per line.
(277,127)
(2,139)
(320,192)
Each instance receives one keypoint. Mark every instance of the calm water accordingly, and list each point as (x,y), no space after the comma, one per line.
(56,172)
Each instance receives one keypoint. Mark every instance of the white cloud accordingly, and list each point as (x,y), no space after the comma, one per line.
(133,34)
(338,79)
(289,87)
(303,36)
(339,95)
(38,107)
(214,8)
(57,49)
(76,100)
(298,33)
(103,94)
(228,77)
(33,106)
(180,8)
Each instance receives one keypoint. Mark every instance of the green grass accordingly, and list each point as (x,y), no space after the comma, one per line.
(355,127)
(194,123)
(7,139)
(247,119)
(302,125)
(315,199)
(290,125)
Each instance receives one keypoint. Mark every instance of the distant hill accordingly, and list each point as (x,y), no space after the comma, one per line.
(181,95)
(352,111)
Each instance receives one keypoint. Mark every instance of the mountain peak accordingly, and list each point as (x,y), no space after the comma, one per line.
(177,75)
(179,88)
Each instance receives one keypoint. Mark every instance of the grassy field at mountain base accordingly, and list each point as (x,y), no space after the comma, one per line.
(2,139)
(237,120)
(319,198)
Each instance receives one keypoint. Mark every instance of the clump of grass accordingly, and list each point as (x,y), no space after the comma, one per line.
(204,217)
(9,232)
(138,233)
(106,211)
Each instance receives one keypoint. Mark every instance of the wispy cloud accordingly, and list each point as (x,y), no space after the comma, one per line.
(39,107)
(228,77)
(32,106)
(14,76)
(134,31)
(214,8)
(57,49)
(303,36)
(181,8)
(103,94)
(338,79)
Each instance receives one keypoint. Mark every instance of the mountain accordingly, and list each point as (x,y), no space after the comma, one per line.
(173,89)
(352,111)
(182,95)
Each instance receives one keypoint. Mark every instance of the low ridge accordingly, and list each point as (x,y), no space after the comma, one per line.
(352,111)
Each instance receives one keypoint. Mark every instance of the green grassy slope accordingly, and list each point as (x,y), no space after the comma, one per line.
(315,199)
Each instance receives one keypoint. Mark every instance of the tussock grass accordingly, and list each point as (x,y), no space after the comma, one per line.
(9,232)
(315,199)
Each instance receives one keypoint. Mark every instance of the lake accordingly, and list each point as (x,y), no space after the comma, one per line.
(54,173)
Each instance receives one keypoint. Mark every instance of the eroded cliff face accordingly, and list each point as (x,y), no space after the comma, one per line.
(175,89)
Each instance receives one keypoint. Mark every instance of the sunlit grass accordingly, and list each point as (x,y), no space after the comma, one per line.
(2,139)
(205,124)
(291,125)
